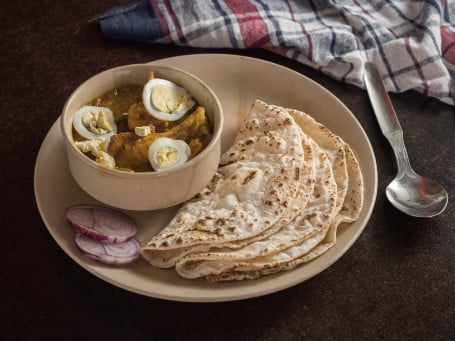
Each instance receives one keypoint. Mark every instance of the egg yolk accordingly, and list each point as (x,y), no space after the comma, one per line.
(167,156)
(97,121)
(168,100)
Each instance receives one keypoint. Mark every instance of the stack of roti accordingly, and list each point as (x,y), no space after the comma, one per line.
(280,193)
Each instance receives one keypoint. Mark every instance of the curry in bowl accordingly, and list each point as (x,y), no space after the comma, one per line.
(142,143)
(142,128)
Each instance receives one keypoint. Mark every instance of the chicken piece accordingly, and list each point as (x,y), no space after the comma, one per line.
(131,151)
(138,116)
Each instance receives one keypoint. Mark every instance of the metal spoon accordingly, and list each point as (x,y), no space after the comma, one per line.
(409,192)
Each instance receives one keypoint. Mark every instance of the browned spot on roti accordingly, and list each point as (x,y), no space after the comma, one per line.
(249,177)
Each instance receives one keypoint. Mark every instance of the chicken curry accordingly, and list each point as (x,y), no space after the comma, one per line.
(136,129)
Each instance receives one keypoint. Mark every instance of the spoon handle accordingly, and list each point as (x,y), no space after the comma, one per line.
(380,100)
(385,114)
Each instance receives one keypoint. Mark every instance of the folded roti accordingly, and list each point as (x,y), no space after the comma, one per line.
(312,247)
(169,258)
(300,241)
(314,217)
(255,187)
(273,204)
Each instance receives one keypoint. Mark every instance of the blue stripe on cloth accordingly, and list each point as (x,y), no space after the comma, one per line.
(421,27)
(447,14)
(383,56)
(379,44)
(228,23)
(333,43)
(334,37)
(276,26)
(135,22)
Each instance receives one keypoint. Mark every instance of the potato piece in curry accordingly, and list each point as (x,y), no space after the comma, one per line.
(131,151)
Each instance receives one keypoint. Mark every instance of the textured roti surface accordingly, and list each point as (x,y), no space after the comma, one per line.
(313,247)
(274,204)
(258,178)
(330,144)
(314,217)
(306,231)
(168,258)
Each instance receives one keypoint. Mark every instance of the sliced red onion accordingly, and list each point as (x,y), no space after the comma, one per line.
(108,253)
(101,223)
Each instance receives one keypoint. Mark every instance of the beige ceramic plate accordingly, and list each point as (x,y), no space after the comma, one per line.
(237,81)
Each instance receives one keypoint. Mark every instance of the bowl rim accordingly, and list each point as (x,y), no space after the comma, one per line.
(216,136)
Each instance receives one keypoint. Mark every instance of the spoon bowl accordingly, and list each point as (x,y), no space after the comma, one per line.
(409,192)
(416,195)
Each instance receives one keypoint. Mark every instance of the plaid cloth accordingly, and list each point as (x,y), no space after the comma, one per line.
(412,42)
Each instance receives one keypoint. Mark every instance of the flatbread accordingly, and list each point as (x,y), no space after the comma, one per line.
(314,217)
(303,233)
(331,144)
(314,246)
(280,201)
(169,258)
(254,188)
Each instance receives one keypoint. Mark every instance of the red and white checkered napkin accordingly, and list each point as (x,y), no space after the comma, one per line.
(411,42)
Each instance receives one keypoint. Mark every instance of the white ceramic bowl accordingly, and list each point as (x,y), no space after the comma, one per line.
(143,190)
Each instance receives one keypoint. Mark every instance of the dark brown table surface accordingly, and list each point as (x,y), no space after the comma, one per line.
(396,282)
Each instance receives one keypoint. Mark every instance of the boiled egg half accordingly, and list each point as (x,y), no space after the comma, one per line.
(94,123)
(165,100)
(165,153)
(97,148)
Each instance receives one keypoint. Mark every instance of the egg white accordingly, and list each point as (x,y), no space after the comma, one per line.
(186,104)
(166,148)
(85,132)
